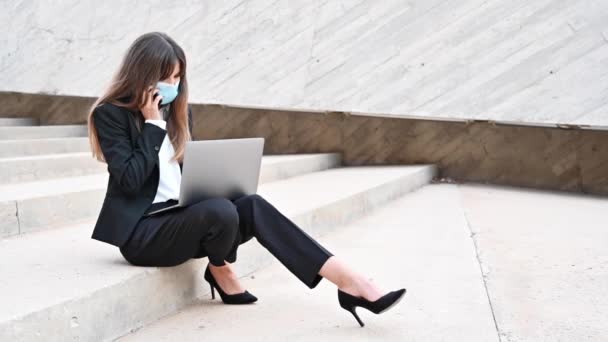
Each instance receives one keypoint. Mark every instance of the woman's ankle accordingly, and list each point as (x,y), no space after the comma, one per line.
(360,286)
(220,268)
(351,285)
(224,274)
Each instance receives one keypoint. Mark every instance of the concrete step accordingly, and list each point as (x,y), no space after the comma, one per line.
(19,122)
(48,166)
(420,242)
(39,132)
(33,206)
(62,285)
(32,147)
(51,166)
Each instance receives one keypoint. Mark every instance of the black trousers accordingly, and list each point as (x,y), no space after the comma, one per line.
(215,227)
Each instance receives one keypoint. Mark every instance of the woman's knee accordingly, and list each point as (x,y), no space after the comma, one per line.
(253,198)
(216,210)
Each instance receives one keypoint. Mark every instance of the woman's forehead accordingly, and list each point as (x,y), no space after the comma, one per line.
(176,68)
(174,71)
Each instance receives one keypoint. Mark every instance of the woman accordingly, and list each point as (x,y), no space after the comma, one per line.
(139,127)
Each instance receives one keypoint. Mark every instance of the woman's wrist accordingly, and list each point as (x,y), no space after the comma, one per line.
(158,122)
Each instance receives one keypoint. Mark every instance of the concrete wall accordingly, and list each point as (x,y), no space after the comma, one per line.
(540,157)
(538,62)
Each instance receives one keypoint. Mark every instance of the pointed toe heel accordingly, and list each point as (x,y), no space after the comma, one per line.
(237,298)
(349,302)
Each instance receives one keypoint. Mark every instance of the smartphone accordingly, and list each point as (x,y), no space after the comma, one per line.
(154,99)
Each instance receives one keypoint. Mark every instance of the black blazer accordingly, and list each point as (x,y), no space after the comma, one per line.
(132,159)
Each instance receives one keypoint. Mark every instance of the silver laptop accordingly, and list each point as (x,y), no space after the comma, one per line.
(228,168)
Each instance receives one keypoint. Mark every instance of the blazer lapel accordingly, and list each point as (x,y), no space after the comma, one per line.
(135,132)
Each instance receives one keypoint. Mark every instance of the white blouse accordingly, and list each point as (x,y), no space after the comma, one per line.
(170,173)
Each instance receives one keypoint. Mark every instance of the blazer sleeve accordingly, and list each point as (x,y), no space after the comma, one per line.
(129,165)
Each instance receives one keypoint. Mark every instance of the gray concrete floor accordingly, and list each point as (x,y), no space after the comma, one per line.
(480,263)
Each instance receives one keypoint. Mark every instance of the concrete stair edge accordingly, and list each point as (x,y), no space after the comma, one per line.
(48,131)
(34,210)
(19,121)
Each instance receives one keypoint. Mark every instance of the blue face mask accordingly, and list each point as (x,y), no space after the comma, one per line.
(168,91)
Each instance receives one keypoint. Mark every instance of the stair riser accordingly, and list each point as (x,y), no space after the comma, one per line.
(284,170)
(30,215)
(113,311)
(350,208)
(8,122)
(9,222)
(117,310)
(30,170)
(12,171)
(50,212)
(23,148)
(39,132)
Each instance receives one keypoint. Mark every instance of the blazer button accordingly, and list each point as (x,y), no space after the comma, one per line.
(156,148)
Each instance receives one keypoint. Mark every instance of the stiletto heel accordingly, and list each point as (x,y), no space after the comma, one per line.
(237,298)
(352,310)
(382,304)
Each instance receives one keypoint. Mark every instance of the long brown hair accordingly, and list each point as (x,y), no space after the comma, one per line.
(150,58)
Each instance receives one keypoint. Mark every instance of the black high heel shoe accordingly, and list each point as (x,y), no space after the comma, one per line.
(350,302)
(237,298)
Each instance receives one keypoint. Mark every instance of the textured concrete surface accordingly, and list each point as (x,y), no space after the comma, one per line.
(545,262)
(516,61)
(538,157)
(62,285)
(420,242)
(480,263)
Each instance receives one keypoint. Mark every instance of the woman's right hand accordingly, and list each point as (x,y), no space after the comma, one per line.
(150,109)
